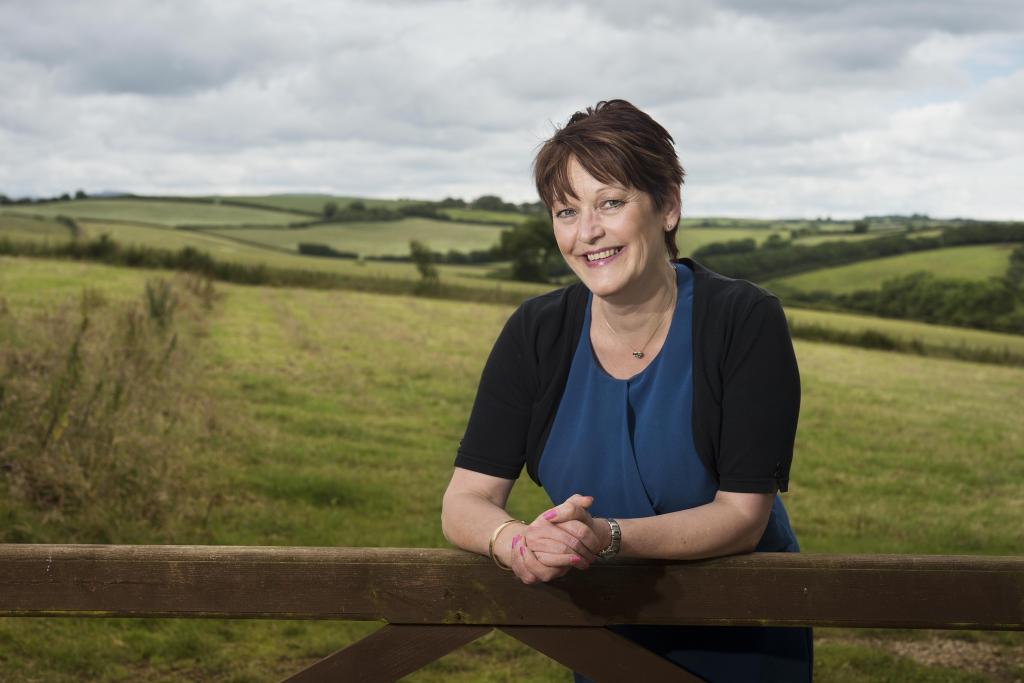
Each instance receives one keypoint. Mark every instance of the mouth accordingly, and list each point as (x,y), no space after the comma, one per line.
(602,256)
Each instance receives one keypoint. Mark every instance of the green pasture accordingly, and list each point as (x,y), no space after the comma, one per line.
(32,228)
(929,336)
(483,216)
(231,245)
(691,239)
(333,418)
(975,262)
(811,240)
(312,203)
(161,212)
(374,238)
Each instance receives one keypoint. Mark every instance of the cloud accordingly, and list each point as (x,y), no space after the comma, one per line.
(793,107)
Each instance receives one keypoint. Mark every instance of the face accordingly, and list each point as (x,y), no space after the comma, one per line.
(612,236)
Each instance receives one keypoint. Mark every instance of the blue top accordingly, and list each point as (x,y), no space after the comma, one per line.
(629,444)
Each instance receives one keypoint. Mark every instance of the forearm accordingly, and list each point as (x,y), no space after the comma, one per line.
(712,530)
(468,519)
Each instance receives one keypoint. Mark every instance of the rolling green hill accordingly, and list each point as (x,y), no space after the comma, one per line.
(311,203)
(378,238)
(970,262)
(157,211)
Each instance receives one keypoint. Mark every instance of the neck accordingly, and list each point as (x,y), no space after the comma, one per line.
(632,311)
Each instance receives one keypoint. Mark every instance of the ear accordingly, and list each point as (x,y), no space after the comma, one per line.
(672,210)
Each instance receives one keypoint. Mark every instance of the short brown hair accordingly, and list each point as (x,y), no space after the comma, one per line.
(615,142)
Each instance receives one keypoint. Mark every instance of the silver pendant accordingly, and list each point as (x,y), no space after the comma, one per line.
(638,354)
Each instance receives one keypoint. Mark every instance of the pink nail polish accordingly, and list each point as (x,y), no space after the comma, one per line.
(515,539)
(574,559)
(550,514)
(522,551)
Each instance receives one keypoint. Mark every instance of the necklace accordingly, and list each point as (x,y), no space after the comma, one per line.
(639,354)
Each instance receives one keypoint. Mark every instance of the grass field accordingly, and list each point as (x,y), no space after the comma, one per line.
(377,238)
(161,212)
(312,203)
(32,228)
(976,262)
(485,216)
(334,417)
(690,239)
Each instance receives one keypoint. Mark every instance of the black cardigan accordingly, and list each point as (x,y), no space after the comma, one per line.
(746,386)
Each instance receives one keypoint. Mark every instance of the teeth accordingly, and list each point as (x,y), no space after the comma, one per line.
(602,254)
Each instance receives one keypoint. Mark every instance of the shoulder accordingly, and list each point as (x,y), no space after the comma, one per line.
(719,297)
(543,318)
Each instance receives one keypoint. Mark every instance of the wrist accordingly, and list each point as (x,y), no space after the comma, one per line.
(611,538)
(501,546)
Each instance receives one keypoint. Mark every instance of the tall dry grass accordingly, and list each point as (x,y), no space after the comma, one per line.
(99,416)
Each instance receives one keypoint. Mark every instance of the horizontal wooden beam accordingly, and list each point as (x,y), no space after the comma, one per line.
(439,586)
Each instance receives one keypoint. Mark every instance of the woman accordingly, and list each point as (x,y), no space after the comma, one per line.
(655,401)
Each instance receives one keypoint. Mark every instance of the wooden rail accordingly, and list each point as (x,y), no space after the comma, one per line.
(435,601)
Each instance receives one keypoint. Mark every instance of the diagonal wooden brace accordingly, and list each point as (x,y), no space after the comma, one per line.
(390,652)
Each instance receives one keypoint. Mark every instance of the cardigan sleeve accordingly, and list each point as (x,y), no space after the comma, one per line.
(495,439)
(760,402)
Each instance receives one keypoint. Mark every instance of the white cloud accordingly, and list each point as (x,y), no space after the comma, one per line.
(783,108)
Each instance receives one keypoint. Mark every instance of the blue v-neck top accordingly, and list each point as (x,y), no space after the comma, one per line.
(629,444)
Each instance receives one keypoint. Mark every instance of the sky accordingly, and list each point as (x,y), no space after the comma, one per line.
(795,108)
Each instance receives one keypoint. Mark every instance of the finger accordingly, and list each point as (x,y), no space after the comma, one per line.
(568,542)
(584,532)
(575,507)
(538,568)
(519,565)
(560,555)
(561,560)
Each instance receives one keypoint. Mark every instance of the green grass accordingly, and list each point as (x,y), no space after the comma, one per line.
(976,262)
(313,202)
(32,228)
(390,238)
(230,246)
(334,417)
(485,216)
(690,239)
(930,336)
(161,212)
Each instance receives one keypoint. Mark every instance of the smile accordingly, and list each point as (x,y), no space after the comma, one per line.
(603,256)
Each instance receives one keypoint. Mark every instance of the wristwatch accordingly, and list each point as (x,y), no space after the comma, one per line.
(613,545)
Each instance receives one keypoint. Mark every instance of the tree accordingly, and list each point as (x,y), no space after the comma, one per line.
(861,227)
(534,253)
(357,205)
(424,260)
(80,194)
(330,210)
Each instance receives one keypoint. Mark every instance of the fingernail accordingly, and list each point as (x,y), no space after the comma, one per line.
(522,551)
(550,514)
(515,539)
(574,559)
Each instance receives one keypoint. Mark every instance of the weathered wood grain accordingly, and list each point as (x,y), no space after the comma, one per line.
(453,587)
(600,655)
(389,653)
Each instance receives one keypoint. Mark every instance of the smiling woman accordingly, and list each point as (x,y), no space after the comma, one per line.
(655,401)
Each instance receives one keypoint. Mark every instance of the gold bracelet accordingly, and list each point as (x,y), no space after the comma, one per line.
(494,537)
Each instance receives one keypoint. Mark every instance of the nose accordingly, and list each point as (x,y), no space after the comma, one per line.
(591,229)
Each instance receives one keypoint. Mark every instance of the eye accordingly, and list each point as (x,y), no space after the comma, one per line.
(612,203)
(565,213)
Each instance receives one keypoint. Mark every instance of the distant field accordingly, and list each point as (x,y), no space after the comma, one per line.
(376,238)
(690,239)
(228,249)
(811,240)
(976,262)
(162,212)
(313,203)
(18,227)
(485,216)
(933,336)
